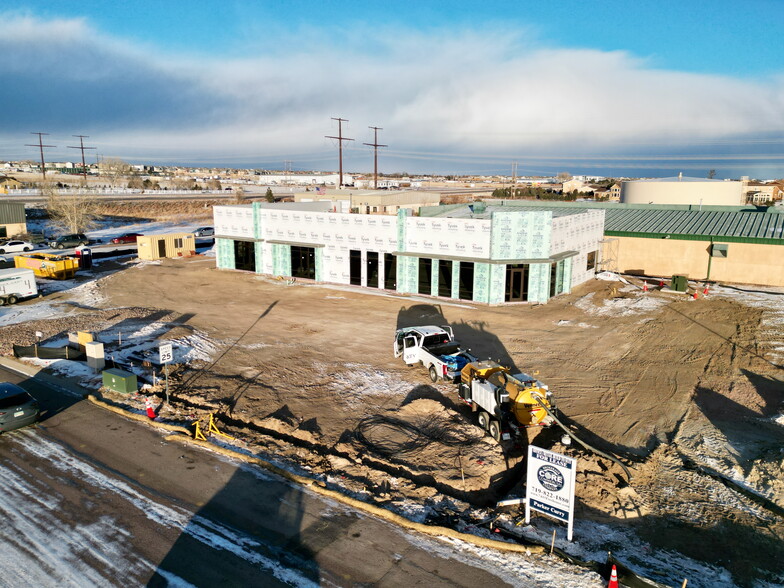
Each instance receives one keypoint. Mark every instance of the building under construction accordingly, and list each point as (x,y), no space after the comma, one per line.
(477,253)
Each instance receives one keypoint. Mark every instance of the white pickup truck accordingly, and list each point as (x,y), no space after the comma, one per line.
(435,348)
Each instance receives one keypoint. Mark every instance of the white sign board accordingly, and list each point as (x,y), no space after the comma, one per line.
(550,485)
(166,353)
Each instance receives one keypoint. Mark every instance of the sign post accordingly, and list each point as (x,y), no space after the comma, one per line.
(166,355)
(550,486)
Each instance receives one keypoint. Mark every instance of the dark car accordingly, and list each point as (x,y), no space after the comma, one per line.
(126,238)
(17,408)
(69,241)
(204,232)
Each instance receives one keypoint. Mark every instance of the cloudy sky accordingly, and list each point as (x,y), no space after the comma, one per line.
(610,88)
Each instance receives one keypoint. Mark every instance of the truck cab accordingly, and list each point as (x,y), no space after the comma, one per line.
(409,340)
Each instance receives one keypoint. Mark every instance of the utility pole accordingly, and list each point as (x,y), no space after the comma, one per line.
(340,139)
(375,145)
(287,171)
(81,147)
(514,179)
(41,146)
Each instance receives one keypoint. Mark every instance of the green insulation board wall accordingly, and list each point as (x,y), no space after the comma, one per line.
(481,282)
(497,289)
(456,280)
(567,274)
(281,259)
(407,274)
(257,228)
(225,253)
(319,264)
(539,282)
(258,248)
(521,234)
(401,229)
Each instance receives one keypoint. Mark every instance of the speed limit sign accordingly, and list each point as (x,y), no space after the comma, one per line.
(166,353)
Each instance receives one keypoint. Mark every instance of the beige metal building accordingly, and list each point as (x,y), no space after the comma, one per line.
(12,219)
(152,247)
(375,201)
(683,190)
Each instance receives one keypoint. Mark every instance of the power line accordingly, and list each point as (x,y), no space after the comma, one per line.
(340,139)
(41,147)
(81,147)
(375,145)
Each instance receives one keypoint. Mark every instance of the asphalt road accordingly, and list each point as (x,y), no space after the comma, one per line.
(90,498)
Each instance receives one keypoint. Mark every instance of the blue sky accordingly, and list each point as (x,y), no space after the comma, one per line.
(612,88)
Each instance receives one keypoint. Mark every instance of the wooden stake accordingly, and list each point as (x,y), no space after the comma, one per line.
(685,581)
(462,475)
(552,543)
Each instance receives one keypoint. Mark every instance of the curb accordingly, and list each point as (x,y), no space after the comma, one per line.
(371,509)
(138,417)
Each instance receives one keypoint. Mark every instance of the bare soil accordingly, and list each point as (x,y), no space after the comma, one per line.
(680,389)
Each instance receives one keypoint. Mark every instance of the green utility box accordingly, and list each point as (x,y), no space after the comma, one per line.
(120,381)
(679,283)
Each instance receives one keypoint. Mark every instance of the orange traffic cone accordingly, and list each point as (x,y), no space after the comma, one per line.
(661,283)
(613,579)
(695,295)
(705,291)
(645,286)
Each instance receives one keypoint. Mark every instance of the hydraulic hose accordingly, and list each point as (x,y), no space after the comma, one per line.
(583,443)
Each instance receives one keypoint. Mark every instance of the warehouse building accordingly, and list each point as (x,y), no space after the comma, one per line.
(742,245)
(478,253)
(683,190)
(12,219)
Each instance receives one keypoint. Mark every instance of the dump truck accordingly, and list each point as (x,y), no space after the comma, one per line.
(506,404)
(435,348)
(17,284)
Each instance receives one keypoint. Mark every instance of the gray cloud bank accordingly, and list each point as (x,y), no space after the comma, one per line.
(460,96)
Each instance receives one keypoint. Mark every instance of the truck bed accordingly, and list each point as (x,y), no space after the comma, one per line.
(443,348)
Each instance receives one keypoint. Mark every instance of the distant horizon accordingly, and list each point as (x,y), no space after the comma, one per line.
(674,172)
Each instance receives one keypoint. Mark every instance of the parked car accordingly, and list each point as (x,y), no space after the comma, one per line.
(16,246)
(69,241)
(17,408)
(204,232)
(127,238)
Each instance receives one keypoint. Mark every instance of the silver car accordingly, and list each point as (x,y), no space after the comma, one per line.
(204,232)
(17,408)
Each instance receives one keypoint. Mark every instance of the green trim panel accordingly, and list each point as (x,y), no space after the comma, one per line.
(225,253)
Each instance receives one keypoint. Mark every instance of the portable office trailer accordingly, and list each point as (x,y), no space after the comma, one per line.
(16,284)
(152,247)
(46,265)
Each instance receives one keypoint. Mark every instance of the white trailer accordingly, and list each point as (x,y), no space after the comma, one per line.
(433,347)
(16,284)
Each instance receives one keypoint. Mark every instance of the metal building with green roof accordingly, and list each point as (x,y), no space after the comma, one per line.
(721,243)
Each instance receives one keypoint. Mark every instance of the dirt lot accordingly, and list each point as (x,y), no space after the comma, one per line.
(683,390)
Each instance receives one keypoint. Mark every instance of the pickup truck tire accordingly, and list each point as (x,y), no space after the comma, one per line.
(495,430)
(2,301)
(60,246)
(12,299)
(433,374)
(483,419)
